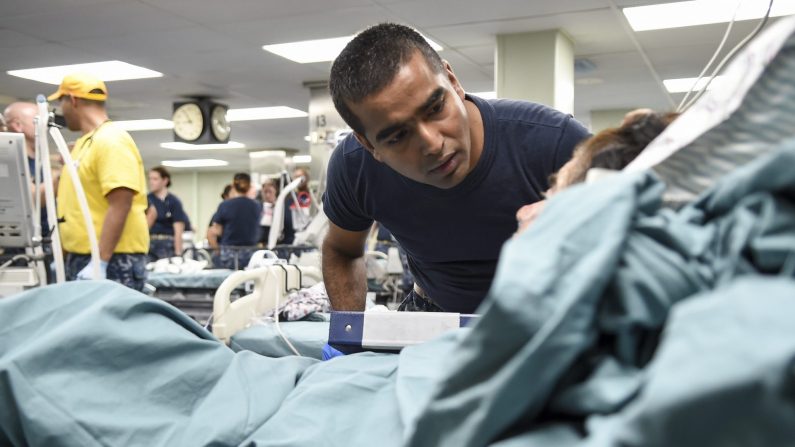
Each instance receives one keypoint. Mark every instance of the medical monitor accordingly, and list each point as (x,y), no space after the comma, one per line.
(16,222)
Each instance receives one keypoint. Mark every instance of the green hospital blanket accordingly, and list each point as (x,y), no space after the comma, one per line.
(308,338)
(612,321)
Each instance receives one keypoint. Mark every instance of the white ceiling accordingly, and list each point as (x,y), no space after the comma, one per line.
(213,48)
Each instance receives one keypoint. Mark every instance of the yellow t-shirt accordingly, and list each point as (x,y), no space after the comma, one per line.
(106,158)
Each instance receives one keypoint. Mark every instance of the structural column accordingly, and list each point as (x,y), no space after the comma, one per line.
(536,66)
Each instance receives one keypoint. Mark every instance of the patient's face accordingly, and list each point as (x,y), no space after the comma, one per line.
(560,181)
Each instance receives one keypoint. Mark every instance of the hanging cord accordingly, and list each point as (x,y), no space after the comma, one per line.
(788,269)
(276,308)
(13,260)
(712,59)
(731,54)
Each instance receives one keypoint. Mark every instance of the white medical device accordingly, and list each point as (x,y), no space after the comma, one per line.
(272,284)
(16,216)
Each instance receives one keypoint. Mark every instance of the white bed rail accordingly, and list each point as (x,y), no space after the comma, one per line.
(271,285)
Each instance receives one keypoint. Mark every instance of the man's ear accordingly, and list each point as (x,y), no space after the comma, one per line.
(453,79)
(366,144)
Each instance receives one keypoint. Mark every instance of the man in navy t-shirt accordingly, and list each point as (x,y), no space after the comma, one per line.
(444,171)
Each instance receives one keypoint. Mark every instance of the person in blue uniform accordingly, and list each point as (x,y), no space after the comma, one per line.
(237,221)
(170,219)
(444,170)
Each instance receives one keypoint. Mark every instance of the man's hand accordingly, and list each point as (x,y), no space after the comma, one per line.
(527,214)
(213,232)
(151,215)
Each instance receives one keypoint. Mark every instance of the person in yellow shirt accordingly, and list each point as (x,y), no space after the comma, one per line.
(112,174)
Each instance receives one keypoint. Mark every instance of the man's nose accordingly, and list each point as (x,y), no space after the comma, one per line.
(431,139)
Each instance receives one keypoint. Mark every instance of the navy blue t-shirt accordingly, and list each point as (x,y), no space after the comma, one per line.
(453,236)
(240,219)
(169,211)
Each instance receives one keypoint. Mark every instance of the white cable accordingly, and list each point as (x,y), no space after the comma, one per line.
(12,260)
(731,54)
(278,213)
(276,314)
(714,56)
(81,198)
(43,150)
(631,35)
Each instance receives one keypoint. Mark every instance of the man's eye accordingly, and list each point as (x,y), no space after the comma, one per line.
(396,137)
(437,108)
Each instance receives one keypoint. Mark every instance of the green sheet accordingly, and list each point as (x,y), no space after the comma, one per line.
(204,279)
(611,322)
(308,338)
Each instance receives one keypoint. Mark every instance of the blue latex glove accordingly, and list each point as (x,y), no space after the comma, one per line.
(88,271)
(329,352)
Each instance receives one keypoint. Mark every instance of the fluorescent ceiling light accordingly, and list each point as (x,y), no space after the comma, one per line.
(302,158)
(198,147)
(683,85)
(701,12)
(150,124)
(267,154)
(321,50)
(264,113)
(197,163)
(107,71)
(485,95)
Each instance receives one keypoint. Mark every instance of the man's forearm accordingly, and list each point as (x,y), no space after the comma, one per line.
(112,228)
(212,237)
(179,228)
(345,279)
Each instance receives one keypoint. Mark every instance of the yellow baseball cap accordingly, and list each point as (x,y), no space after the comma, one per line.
(80,85)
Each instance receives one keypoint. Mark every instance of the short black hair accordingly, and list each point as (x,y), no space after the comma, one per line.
(163,172)
(241,182)
(369,63)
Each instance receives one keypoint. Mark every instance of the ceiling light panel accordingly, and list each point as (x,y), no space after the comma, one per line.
(177,146)
(683,85)
(106,71)
(701,12)
(319,50)
(196,163)
(148,124)
(264,113)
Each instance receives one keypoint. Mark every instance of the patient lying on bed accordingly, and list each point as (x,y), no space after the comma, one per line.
(610,150)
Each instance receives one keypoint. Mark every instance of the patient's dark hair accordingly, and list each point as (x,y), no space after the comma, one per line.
(242,182)
(369,63)
(615,148)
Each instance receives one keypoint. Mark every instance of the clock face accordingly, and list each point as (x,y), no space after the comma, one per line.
(188,121)
(220,125)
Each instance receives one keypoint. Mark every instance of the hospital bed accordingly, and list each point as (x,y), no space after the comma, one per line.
(240,323)
(192,292)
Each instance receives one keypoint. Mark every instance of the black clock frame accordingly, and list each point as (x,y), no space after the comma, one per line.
(207,136)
